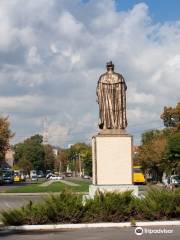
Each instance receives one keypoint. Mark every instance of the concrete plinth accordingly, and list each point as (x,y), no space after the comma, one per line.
(93,189)
(112,163)
(112,159)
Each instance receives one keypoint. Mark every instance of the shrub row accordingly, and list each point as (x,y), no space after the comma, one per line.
(158,204)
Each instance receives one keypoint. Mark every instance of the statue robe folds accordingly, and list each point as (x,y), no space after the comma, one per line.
(111,94)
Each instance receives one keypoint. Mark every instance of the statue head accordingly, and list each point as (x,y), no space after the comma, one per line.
(110,66)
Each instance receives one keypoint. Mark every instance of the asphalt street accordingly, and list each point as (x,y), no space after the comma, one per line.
(5,187)
(15,201)
(127,233)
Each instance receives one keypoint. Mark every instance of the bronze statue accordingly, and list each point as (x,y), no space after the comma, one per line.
(111,94)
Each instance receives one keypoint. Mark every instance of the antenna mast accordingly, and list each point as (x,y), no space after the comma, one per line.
(45,131)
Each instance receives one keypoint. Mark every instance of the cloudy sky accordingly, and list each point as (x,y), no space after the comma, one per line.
(52,53)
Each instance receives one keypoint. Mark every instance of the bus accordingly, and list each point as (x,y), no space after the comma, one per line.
(138,176)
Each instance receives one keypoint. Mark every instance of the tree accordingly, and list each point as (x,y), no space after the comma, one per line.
(31,150)
(171,116)
(148,136)
(49,157)
(160,149)
(152,152)
(62,160)
(173,151)
(23,164)
(5,136)
(87,161)
(80,158)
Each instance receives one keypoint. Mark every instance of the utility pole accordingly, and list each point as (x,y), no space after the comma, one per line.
(80,167)
(45,138)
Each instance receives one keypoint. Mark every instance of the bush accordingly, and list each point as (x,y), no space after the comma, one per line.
(13,217)
(158,204)
(64,208)
(109,207)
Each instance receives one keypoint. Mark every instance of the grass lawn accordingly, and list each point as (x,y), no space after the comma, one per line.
(54,187)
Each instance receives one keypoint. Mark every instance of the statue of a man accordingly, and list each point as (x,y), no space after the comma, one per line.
(111,94)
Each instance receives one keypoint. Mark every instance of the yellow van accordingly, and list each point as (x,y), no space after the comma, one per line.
(138,176)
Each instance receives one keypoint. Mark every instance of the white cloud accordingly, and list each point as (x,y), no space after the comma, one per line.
(58,134)
(53,52)
(33,56)
(20,103)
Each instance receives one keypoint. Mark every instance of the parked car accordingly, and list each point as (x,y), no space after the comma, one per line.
(68,174)
(55,177)
(8,176)
(34,178)
(172,181)
(33,172)
(86,177)
(48,175)
(175,180)
(40,174)
(17,176)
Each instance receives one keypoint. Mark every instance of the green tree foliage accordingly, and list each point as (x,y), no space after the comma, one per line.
(23,164)
(160,149)
(5,136)
(49,157)
(62,160)
(148,136)
(80,156)
(171,116)
(31,151)
(152,151)
(173,150)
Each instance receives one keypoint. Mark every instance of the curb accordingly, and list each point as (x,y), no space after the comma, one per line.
(37,194)
(87,225)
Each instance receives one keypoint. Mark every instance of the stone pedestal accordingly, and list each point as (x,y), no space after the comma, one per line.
(112,163)
(93,189)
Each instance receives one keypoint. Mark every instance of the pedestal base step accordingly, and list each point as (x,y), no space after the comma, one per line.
(112,188)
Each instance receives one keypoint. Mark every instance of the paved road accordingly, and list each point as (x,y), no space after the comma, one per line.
(16,201)
(94,234)
(5,187)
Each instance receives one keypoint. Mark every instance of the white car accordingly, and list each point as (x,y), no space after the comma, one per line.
(172,181)
(86,177)
(55,177)
(34,178)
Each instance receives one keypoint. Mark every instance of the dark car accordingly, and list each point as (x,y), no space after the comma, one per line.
(40,174)
(8,177)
